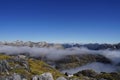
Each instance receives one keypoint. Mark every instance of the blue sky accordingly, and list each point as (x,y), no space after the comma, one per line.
(82,21)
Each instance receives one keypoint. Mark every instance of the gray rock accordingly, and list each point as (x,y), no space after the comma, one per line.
(26,65)
(46,76)
(4,66)
(35,78)
(16,77)
(24,79)
(22,62)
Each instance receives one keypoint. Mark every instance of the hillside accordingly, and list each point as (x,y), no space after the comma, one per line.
(25,67)
(21,67)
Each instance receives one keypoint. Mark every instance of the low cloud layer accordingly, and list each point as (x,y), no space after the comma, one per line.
(55,53)
(51,53)
(98,67)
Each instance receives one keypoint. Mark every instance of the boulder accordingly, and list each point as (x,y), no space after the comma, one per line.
(35,78)
(61,78)
(46,76)
(24,79)
(16,77)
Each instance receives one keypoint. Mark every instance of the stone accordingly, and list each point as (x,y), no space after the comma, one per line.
(16,77)
(46,76)
(4,66)
(35,78)
(61,78)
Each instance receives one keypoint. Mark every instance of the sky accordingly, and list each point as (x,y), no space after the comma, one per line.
(60,21)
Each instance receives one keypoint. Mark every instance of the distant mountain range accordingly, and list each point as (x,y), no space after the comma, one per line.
(91,46)
(52,61)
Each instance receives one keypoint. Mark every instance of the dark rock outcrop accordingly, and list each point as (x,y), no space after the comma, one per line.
(88,73)
(72,61)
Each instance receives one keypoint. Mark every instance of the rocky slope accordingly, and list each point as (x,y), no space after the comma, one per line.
(45,61)
(100,76)
(21,67)
(72,61)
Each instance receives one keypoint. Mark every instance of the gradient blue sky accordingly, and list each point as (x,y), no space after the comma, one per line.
(82,21)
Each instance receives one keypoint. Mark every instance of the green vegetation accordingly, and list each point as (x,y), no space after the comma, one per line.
(73,61)
(109,76)
(37,67)
(4,57)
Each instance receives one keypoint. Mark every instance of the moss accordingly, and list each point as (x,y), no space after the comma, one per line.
(109,76)
(4,57)
(20,71)
(38,67)
(76,78)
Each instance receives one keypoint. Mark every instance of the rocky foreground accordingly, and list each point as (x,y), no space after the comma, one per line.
(21,67)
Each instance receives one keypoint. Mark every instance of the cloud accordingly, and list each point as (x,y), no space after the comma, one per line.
(98,67)
(55,53)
